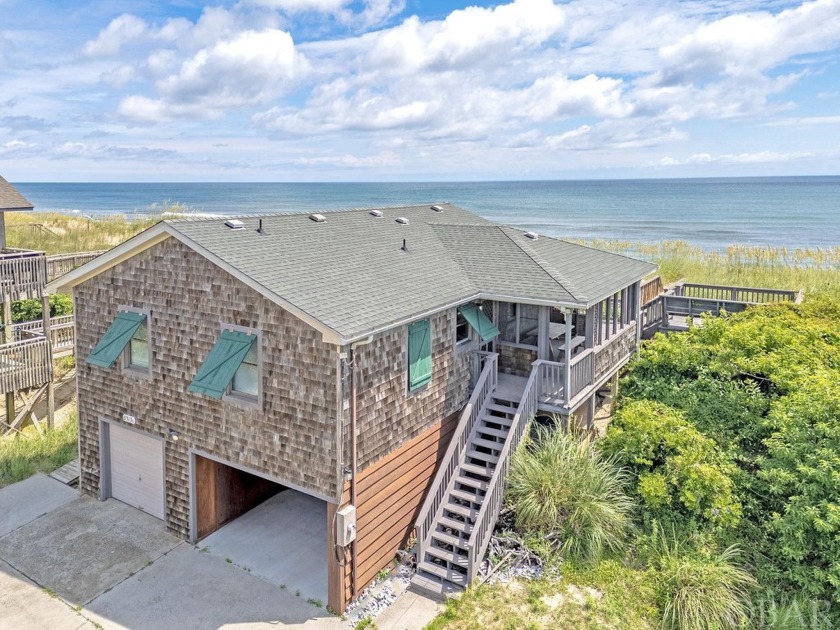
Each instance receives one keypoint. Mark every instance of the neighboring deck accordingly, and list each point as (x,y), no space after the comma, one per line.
(682,304)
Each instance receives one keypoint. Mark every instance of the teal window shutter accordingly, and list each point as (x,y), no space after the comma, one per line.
(115,339)
(419,354)
(217,371)
(479,322)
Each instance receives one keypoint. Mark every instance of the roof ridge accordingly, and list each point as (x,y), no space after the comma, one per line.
(540,264)
(206,216)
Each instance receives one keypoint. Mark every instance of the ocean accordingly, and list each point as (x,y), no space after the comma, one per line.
(793,212)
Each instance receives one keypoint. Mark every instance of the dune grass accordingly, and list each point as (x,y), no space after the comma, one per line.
(815,270)
(24,454)
(56,233)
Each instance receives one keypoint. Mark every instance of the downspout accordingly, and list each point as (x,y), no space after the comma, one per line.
(354,453)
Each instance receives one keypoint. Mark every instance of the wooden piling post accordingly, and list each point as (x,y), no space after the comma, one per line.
(45,315)
(7,338)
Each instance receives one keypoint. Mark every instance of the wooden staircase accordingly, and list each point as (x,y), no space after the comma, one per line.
(447,551)
(460,511)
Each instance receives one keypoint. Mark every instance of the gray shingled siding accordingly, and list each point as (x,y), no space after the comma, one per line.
(387,417)
(292,437)
(618,348)
(516,361)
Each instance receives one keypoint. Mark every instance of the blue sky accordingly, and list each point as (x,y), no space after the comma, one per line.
(404,90)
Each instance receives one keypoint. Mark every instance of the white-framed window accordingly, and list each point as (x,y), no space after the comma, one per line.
(463,331)
(519,324)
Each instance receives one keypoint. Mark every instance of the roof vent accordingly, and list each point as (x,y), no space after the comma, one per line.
(402,220)
(235,224)
(318,218)
(532,235)
(376,213)
(437,208)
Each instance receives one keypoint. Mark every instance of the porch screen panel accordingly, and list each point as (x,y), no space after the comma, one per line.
(218,369)
(116,338)
(419,354)
(479,321)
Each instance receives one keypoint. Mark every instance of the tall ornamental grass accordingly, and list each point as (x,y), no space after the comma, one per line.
(560,487)
(700,589)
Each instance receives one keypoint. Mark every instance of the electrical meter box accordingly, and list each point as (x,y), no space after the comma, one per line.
(345,524)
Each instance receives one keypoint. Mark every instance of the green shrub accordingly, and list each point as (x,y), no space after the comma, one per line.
(700,588)
(678,471)
(28,310)
(559,486)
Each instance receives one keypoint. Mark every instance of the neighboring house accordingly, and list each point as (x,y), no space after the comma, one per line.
(336,355)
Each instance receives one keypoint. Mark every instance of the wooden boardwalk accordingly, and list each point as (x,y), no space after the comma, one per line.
(67,474)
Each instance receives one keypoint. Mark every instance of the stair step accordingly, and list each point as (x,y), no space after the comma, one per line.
(485,457)
(463,510)
(511,411)
(433,587)
(460,526)
(498,446)
(473,483)
(466,495)
(477,470)
(505,422)
(494,432)
(449,539)
(447,574)
(449,556)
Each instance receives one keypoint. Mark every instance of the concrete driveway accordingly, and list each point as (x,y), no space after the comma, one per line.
(71,562)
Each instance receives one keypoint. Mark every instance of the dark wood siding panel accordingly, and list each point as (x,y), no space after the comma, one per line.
(390,494)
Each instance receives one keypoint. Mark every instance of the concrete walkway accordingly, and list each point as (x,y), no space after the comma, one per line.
(69,562)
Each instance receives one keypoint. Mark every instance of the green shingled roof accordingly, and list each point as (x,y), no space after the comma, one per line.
(352,273)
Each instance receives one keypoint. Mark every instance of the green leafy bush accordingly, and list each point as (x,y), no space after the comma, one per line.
(28,310)
(679,471)
(560,486)
(764,387)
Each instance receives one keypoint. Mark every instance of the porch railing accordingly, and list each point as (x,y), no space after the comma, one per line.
(23,273)
(492,502)
(585,369)
(60,264)
(62,332)
(485,385)
(25,364)
(650,290)
(720,293)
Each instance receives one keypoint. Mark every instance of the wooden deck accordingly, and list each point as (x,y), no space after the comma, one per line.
(681,305)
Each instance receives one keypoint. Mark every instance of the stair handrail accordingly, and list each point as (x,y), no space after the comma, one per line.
(492,501)
(484,386)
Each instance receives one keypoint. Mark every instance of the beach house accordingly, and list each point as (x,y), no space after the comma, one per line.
(374,369)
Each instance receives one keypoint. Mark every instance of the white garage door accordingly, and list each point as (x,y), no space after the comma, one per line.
(137,470)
